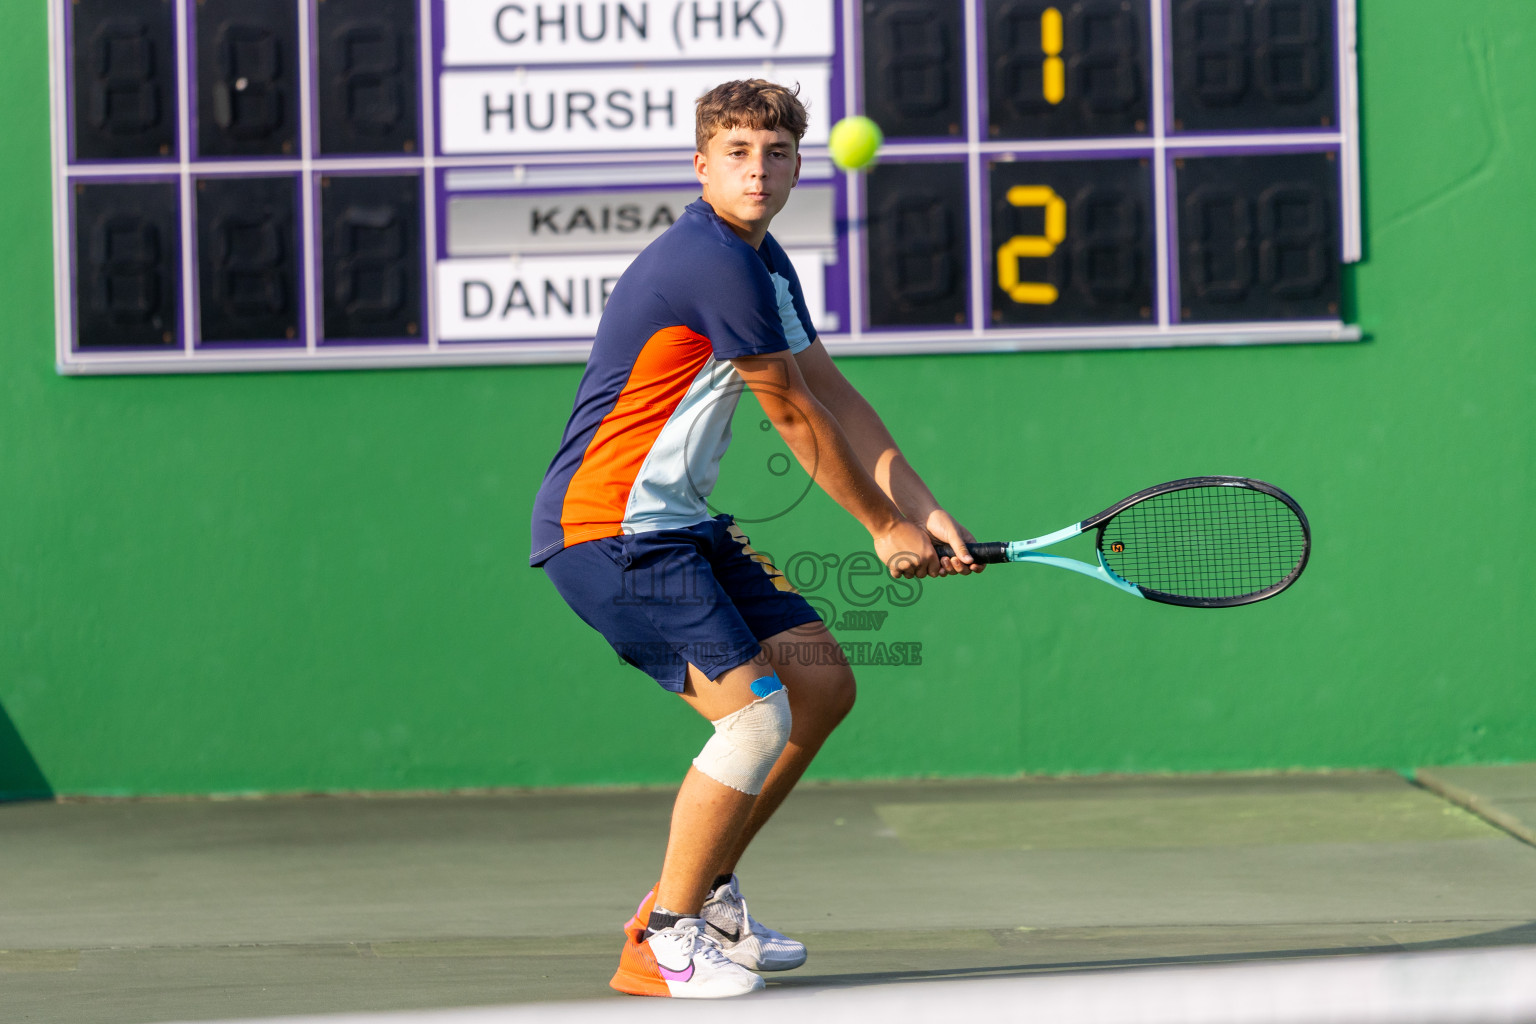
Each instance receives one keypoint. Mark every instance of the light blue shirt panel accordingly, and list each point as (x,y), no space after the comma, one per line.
(794,328)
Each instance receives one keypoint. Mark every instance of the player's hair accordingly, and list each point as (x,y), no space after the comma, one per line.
(751,103)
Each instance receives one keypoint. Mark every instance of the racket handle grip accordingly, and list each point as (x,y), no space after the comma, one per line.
(985,551)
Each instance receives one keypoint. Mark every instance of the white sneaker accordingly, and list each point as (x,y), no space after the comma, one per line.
(745,941)
(682,962)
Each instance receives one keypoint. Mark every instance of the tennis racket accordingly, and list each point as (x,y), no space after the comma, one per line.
(1204,542)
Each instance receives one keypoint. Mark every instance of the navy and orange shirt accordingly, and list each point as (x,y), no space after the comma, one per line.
(652,420)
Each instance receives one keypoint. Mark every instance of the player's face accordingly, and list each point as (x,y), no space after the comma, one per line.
(746,174)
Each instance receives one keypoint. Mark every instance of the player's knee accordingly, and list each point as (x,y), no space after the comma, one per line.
(844,692)
(822,700)
(747,742)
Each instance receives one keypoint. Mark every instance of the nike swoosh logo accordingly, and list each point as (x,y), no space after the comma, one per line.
(668,974)
(734,936)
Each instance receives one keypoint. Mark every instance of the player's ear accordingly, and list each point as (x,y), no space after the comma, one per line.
(792,184)
(701,168)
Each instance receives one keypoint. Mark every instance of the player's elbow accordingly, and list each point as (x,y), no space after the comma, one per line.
(789,415)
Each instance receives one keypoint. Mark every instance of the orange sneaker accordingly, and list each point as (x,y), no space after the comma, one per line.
(635,927)
(682,962)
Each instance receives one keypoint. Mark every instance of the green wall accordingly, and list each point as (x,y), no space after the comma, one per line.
(275,582)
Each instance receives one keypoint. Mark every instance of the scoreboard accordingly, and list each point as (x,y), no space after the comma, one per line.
(281,184)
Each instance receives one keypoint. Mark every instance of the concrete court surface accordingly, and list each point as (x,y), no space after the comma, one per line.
(146,911)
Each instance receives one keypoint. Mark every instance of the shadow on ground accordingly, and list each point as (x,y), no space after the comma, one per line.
(1520,935)
(20,777)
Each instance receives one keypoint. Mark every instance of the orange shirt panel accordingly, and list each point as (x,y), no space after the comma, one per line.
(599,491)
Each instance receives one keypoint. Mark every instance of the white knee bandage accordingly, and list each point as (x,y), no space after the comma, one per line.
(746,743)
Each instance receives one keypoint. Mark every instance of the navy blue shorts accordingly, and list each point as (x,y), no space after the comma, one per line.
(666,598)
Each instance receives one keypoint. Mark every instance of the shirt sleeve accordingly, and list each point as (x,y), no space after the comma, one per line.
(794,314)
(734,302)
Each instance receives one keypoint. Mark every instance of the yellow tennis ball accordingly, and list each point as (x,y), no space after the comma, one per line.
(853,142)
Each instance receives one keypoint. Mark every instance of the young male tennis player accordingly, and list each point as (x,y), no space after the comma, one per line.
(622,529)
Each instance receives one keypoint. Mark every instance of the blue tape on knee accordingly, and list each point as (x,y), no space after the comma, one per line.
(766,685)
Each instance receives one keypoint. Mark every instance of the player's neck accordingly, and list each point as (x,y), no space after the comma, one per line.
(752,234)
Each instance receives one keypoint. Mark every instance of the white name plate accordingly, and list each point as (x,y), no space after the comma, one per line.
(496,33)
(555,296)
(610,221)
(595,109)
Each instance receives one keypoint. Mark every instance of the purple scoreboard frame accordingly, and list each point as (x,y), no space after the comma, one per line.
(654,172)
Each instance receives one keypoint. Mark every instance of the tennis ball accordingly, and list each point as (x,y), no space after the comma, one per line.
(853,142)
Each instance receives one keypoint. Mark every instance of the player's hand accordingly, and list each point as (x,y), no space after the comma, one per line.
(941,526)
(907,552)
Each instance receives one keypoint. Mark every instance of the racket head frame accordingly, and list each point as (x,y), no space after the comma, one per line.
(1100,521)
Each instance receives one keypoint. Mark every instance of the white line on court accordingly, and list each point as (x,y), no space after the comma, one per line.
(1451,987)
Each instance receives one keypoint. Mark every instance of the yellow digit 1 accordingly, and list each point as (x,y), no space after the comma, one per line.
(1054,72)
(1034,293)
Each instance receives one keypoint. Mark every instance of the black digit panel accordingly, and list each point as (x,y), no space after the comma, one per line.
(247,77)
(371,265)
(1253,64)
(914,63)
(1072,241)
(368,76)
(126,259)
(247,265)
(1258,237)
(124,79)
(917,244)
(1067,68)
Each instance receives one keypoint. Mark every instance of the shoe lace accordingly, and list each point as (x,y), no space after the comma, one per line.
(704,945)
(737,900)
(733,899)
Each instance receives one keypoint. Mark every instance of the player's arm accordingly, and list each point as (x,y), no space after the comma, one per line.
(818,442)
(878,453)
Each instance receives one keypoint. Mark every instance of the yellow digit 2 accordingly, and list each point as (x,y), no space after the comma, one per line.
(1034,293)
(1054,72)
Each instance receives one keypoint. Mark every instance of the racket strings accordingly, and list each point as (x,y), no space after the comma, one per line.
(1207,543)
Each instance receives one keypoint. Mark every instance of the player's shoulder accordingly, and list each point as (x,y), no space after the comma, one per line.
(702,228)
(700,253)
